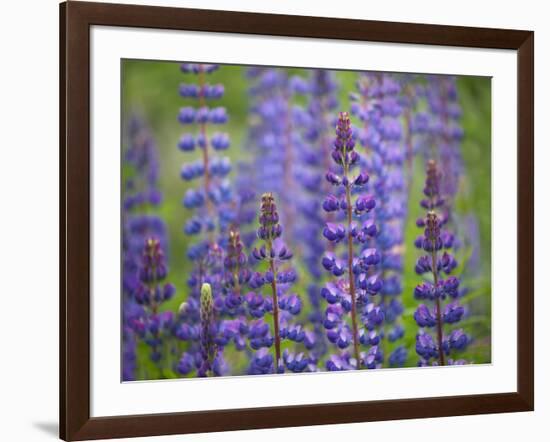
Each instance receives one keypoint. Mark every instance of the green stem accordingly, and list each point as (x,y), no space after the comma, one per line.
(351,275)
(437,308)
(275,312)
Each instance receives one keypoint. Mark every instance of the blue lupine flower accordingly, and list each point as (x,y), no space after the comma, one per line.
(150,292)
(425,346)
(434,240)
(445,132)
(339,363)
(398,357)
(139,223)
(295,363)
(283,305)
(458,340)
(261,362)
(348,293)
(212,201)
(424,317)
(220,141)
(379,106)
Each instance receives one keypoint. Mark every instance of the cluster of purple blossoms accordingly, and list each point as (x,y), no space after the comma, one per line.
(213,204)
(153,326)
(315,122)
(434,128)
(414,120)
(355,279)
(445,138)
(139,223)
(243,311)
(208,199)
(439,287)
(284,305)
(141,197)
(446,132)
(246,197)
(239,308)
(380,107)
(274,138)
(189,328)
(225,273)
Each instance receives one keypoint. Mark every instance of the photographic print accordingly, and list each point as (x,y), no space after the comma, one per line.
(280,220)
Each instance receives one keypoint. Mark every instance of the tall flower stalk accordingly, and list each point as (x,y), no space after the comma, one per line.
(316,122)
(154,326)
(211,199)
(141,198)
(437,289)
(244,310)
(347,293)
(268,232)
(214,211)
(379,106)
(273,137)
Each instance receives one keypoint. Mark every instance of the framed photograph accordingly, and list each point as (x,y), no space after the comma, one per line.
(273,221)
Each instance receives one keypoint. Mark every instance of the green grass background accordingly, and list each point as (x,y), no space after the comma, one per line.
(150,90)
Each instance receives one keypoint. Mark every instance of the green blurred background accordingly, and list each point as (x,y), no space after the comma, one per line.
(150,90)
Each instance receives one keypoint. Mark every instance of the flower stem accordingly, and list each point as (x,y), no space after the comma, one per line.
(352,279)
(275,314)
(438,310)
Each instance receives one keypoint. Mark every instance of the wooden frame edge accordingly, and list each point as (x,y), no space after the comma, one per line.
(525,220)
(295,416)
(62,226)
(74,221)
(74,405)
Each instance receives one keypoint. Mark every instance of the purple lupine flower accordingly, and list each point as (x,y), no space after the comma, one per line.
(216,260)
(151,273)
(245,212)
(295,363)
(268,232)
(315,125)
(261,362)
(354,278)
(208,260)
(152,326)
(283,304)
(379,106)
(235,262)
(438,288)
(445,132)
(340,362)
(274,138)
(415,121)
(212,199)
(141,196)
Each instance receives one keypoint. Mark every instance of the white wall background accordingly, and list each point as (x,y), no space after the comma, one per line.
(29,217)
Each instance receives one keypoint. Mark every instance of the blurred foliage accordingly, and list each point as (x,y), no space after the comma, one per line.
(150,90)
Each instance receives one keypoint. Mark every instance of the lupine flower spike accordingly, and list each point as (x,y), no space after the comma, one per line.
(438,289)
(215,191)
(347,293)
(380,109)
(153,326)
(139,223)
(269,231)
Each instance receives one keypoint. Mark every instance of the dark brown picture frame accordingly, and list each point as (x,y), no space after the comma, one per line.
(76,18)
